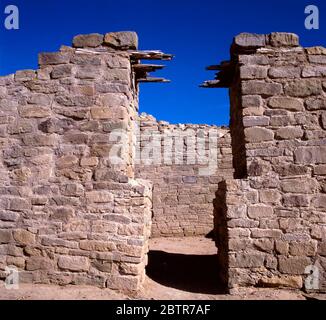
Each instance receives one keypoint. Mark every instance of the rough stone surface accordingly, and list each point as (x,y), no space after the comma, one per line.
(66,210)
(88,40)
(72,214)
(278,132)
(122,40)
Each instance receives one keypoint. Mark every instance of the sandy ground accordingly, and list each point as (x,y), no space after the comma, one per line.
(179,269)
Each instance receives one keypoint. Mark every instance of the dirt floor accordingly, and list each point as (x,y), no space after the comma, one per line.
(178,269)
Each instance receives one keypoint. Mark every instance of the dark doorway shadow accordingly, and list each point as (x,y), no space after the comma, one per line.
(191,273)
(211,235)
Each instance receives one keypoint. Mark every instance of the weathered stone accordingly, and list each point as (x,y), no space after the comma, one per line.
(266,233)
(294,282)
(323,120)
(259,211)
(103,266)
(254,87)
(96,245)
(88,72)
(255,121)
(281,247)
(253,59)
(253,260)
(16,261)
(74,263)
(117,218)
(316,103)
(319,201)
(88,40)
(39,99)
(189,179)
(73,190)
(284,72)
(61,71)
(19,204)
(269,196)
(24,237)
(122,40)
(238,233)
(250,40)
(253,72)
(5,236)
(66,162)
(310,155)
(314,71)
(303,88)
(62,213)
(89,162)
(295,201)
(86,59)
(319,59)
(252,101)
(257,134)
(286,103)
(308,249)
(127,283)
(316,50)
(25,75)
(289,133)
(320,170)
(293,265)
(39,263)
(34,112)
(8,215)
(283,39)
(55,242)
(39,140)
(297,185)
(53,58)
(55,125)
(237,211)
(99,196)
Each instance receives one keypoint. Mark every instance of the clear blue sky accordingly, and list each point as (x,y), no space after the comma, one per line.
(198,32)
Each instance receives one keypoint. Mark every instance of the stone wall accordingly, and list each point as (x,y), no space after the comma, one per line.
(272,222)
(70,213)
(183,191)
(74,208)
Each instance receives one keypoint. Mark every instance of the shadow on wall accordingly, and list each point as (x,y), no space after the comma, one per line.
(191,273)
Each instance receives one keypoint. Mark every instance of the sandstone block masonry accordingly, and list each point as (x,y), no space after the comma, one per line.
(185,163)
(69,214)
(271,222)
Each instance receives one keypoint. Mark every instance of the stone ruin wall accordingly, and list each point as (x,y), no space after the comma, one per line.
(183,192)
(271,222)
(68,215)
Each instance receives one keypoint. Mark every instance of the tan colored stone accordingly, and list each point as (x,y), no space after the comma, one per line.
(293,265)
(286,103)
(96,245)
(73,263)
(294,282)
(24,237)
(257,134)
(99,196)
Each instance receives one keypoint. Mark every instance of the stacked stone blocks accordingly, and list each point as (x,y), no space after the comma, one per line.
(68,214)
(274,216)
